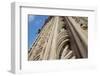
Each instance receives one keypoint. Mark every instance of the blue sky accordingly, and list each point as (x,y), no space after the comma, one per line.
(35,22)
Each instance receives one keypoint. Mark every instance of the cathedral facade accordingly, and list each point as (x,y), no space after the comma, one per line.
(61,37)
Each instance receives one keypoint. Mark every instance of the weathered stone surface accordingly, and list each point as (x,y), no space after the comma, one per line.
(60,39)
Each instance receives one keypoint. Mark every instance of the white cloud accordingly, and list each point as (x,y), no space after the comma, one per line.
(31,18)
